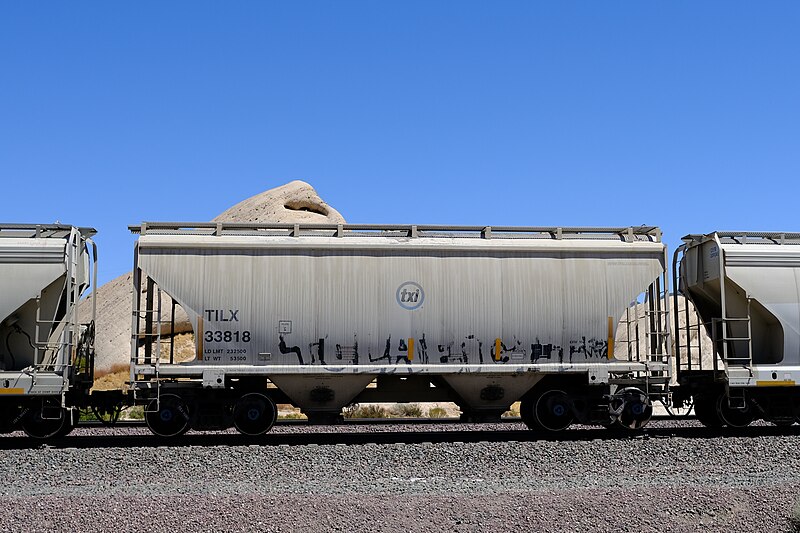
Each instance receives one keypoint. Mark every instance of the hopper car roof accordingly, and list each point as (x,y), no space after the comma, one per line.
(56,231)
(418,237)
(745,237)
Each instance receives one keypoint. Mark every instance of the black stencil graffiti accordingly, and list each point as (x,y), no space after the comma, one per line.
(320,355)
(348,353)
(592,348)
(403,348)
(545,351)
(447,355)
(387,353)
(579,349)
(294,349)
(423,350)
(598,348)
(499,358)
(471,340)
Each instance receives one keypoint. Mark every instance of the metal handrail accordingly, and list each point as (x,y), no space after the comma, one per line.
(627,233)
(43,230)
(747,237)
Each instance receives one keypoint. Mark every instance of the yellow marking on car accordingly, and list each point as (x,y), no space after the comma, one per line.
(16,390)
(497,345)
(410,349)
(199,337)
(781,383)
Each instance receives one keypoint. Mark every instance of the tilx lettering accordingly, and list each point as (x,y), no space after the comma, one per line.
(222,315)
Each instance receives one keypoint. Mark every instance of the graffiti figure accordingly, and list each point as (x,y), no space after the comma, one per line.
(499,358)
(517,352)
(387,352)
(348,353)
(423,350)
(470,341)
(294,349)
(449,357)
(541,351)
(597,348)
(320,344)
(591,348)
(403,348)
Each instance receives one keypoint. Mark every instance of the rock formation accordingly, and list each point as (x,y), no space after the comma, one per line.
(295,202)
(701,344)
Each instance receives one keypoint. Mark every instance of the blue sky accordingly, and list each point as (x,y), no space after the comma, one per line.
(679,114)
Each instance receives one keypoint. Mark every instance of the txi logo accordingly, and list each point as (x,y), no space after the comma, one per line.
(410,295)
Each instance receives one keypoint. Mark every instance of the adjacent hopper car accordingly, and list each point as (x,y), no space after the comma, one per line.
(46,355)
(745,288)
(572,322)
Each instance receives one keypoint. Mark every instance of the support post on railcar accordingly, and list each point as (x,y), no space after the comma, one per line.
(148,322)
(172,333)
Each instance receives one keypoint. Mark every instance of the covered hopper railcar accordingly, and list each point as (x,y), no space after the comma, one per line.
(46,353)
(323,316)
(745,287)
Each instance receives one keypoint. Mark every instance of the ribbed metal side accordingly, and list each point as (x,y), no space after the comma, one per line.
(453,305)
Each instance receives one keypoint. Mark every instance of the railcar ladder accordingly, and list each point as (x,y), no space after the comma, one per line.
(658,337)
(732,360)
(688,354)
(151,336)
(46,351)
(648,338)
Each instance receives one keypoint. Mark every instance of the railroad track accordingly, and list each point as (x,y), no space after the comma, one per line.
(145,440)
(364,421)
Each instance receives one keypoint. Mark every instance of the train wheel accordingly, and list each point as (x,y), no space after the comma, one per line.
(735,418)
(46,422)
(705,409)
(553,410)
(637,409)
(254,414)
(168,416)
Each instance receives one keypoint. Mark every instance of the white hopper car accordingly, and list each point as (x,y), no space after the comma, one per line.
(324,316)
(46,355)
(745,287)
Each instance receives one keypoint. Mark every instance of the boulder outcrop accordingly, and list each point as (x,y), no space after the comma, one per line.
(295,202)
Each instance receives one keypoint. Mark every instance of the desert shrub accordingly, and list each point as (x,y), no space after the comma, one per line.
(133,413)
(366,411)
(86,415)
(292,416)
(437,412)
(407,410)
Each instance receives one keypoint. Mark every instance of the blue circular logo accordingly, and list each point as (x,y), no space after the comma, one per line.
(410,295)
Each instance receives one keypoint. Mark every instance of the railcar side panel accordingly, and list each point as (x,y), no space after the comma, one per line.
(279,305)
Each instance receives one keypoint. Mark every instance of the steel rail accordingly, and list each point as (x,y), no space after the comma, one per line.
(392,437)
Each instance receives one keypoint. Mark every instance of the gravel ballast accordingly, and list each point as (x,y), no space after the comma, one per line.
(724,483)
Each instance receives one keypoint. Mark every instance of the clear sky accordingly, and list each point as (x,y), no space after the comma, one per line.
(684,115)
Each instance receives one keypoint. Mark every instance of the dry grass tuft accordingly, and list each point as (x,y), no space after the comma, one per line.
(437,412)
(288,412)
(113,378)
(407,410)
(365,411)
